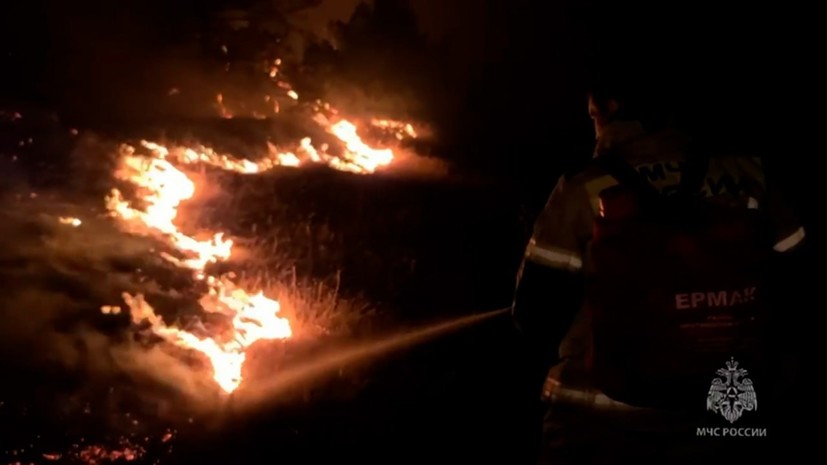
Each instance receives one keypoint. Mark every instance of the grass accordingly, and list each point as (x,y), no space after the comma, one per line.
(347,256)
(315,309)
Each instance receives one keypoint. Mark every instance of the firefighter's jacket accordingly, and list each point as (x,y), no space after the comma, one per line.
(562,232)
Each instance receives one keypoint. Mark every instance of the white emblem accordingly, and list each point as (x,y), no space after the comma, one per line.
(732,393)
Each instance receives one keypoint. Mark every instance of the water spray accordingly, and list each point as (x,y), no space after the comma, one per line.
(253,397)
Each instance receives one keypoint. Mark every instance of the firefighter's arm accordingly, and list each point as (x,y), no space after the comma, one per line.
(550,284)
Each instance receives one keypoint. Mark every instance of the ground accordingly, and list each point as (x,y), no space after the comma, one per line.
(404,251)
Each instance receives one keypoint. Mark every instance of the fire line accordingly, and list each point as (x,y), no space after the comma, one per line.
(161,186)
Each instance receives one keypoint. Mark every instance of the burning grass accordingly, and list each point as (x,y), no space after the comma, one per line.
(98,369)
(72,247)
(139,308)
(316,308)
(311,238)
(159,183)
(136,307)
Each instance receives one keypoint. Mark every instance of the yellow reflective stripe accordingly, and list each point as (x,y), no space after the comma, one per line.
(595,187)
(790,241)
(553,257)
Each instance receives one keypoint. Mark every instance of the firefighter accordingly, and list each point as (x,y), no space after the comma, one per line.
(548,304)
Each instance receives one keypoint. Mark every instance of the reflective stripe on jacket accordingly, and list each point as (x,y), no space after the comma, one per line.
(563,230)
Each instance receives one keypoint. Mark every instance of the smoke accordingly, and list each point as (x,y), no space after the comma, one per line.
(53,280)
(314,23)
(67,357)
(56,275)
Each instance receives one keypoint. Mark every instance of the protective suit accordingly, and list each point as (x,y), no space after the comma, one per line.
(583,425)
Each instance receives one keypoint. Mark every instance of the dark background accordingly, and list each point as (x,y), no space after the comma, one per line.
(502,83)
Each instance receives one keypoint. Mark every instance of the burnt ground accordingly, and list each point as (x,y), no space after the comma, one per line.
(407,250)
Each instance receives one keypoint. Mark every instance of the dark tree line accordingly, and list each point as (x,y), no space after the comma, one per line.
(381,51)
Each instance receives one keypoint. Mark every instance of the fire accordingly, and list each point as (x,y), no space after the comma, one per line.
(161,186)
(356,157)
(358,153)
(401,129)
(70,221)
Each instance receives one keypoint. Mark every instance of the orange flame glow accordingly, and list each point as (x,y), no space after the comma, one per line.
(161,186)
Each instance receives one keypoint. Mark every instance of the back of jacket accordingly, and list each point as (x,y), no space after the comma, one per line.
(563,231)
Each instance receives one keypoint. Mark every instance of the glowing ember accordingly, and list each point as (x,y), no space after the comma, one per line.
(111,310)
(225,113)
(122,450)
(97,454)
(70,221)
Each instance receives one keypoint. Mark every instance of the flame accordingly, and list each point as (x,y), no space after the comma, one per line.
(161,186)
(70,221)
(401,129)
(225,113)
(356,157)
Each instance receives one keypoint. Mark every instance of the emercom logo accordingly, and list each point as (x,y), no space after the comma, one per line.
(730,395)
(732,432)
